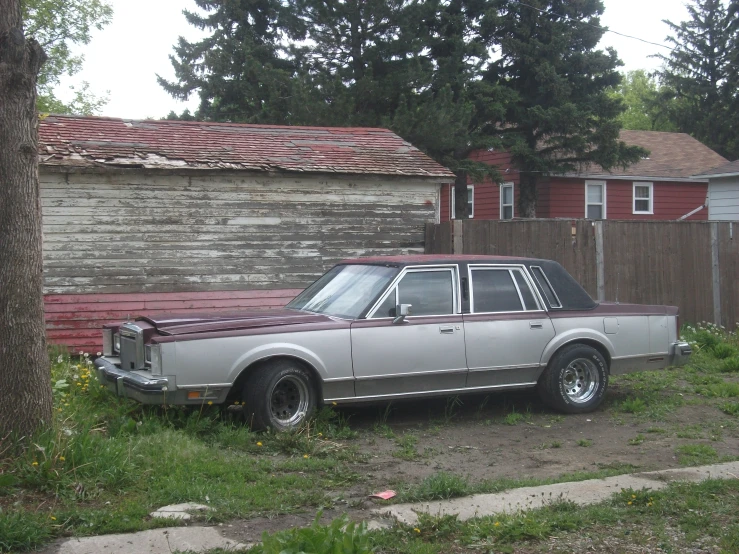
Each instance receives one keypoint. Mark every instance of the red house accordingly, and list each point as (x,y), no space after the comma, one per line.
(659,187)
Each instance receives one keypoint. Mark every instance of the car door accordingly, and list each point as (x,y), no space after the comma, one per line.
(423,353)
(506,330)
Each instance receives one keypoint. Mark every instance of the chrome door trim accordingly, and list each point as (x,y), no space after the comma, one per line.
(416,374)
(349,399)
(554,292)
(504,367)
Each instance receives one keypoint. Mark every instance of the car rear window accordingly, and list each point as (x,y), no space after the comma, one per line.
(546,287)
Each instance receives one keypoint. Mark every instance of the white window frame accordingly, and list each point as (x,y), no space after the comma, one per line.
(513,199)
(600,184)
(470,196)
(650,211)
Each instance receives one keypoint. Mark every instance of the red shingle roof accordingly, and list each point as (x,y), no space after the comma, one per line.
(672,155)
(84,142)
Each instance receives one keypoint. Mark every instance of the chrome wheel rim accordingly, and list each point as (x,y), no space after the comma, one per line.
(288,401)
(580,380)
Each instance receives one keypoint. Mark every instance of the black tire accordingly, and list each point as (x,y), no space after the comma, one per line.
(575,381)
(279,395)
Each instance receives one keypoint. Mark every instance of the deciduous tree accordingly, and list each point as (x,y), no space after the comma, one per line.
(58,25)
(25,380)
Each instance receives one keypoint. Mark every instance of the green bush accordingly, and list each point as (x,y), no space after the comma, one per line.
(723,351)
(730,365)
(706,339)
(339,537)
(633,405)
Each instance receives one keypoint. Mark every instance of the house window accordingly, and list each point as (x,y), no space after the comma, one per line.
(470,201)
(506,201)
(595,199)
(643,198)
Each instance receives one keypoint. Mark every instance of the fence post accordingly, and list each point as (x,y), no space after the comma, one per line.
(715,274)
(458,236)
(600,270)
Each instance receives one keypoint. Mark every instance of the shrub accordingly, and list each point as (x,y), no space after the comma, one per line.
(730,365)
(706,340)
(723,351)
(633,405)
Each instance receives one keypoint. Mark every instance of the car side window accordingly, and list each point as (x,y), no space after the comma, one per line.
(429,292)
(500,290)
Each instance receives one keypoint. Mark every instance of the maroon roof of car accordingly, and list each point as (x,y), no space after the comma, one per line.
(432,258)
(85,141)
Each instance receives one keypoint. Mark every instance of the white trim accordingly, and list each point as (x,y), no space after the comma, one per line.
(603,204)
(600,177)
(650,200)
(452,204)
(718,175)
(513,199)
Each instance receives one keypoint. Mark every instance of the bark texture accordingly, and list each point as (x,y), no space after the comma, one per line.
(461,208)
(25,381)
(527,195)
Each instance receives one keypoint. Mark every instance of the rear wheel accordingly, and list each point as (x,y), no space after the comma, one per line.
(279,395)
(575,381)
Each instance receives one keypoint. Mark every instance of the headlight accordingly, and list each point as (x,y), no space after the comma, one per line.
(155,358)
(107,342)
(116,343)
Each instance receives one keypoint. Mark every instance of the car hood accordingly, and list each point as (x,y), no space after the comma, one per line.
(209,323)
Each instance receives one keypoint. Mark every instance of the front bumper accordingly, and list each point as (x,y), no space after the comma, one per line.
(680,353)
(137,386)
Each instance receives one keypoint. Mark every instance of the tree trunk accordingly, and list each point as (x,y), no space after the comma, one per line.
(527,195)
(461,209)
(25,380)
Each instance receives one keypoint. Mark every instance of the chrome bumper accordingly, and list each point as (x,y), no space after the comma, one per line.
(680,353)
(134,385)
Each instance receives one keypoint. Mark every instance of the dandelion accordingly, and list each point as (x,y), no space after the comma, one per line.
(497,524)
(306,456)
(416,529)
(99,354)
(334,403)
(62,458)
(210,402)
(60,359)
(259,444)
(34,463)
(320,434)
(633,496)
(52,518)
(630,502)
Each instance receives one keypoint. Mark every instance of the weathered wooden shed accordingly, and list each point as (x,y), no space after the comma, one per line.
(171,216)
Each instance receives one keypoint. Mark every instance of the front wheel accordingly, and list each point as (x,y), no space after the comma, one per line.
(279,395)
(575,381)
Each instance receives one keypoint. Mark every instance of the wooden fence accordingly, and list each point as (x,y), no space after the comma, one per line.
(693,265)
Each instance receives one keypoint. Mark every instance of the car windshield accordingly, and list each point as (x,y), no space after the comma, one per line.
(345,291)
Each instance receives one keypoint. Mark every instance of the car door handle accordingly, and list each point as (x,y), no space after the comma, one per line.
(446,330)
(536,325)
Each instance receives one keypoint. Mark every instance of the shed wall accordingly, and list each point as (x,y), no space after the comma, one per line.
(723,199)
(140,233)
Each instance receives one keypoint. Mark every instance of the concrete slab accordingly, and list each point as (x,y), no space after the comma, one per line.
(154,541)
(179,511)
(581,493)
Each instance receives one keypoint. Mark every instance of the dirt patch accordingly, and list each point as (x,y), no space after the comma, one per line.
(478,437)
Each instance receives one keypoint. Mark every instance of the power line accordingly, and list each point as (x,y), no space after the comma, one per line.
(604,29)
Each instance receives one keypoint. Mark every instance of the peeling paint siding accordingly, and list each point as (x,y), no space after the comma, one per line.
(139,231)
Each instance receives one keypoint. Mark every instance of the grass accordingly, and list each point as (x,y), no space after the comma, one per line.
(679,516)
(106,462)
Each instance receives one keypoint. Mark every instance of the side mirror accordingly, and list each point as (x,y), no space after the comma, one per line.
(401,311)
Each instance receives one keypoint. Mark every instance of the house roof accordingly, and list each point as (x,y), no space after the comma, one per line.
(676,156)
(98,142)
(730,169)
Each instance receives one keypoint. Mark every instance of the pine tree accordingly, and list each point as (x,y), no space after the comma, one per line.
(702,71)
(562,115)
(239,71)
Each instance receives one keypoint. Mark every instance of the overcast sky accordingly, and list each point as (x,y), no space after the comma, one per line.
(125,57)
